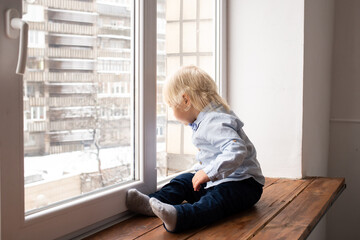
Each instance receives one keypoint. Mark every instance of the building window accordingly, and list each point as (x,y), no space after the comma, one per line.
(36,39)
(38,113)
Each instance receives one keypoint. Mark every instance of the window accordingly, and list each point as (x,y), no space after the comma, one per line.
(186,34)
(89,92)
(38,113)
(83,146)
(87,118)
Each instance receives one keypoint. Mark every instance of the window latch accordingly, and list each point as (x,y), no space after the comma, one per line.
(15,26)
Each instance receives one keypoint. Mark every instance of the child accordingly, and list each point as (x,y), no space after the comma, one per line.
(228,177)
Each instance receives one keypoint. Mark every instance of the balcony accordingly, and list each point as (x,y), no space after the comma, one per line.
(36,52)
(87,6)
(114,32)
(40,126)
(37,101)
(69,28)
(71,136)
(116,101)
(66,148)
(121,53)
(64,125)
(71,88)
(60,77)
(37,26)
(71,101)
(115,10)
(70,77)
(71,40)
(73,113)
(71,16)
(71,53)
(71,64)
(34,77)
(114,65)
(107,77)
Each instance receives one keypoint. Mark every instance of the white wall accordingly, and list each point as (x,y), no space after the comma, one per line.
(344,158)
(265,73)
(279,70)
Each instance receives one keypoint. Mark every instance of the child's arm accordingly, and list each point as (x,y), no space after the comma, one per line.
(222,133)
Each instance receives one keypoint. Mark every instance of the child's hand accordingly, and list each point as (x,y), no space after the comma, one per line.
(199,178)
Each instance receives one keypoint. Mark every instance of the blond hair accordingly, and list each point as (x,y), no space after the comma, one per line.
(197,84)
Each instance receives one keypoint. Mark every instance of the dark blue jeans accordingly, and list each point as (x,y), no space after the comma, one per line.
(207,205)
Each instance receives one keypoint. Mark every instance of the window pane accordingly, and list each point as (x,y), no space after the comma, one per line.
(206,44)
(78,99)
(190,9)
(172,9)
(189,60)
(189,37)
(206,9)
(173,37)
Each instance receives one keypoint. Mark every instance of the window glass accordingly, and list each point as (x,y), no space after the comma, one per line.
(78,99)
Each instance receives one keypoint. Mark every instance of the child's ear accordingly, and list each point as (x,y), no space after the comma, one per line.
(187,102)
(186,98)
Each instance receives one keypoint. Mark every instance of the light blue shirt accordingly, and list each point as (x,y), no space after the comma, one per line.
(225,152)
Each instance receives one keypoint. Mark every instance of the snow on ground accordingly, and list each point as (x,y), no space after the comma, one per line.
(54,166)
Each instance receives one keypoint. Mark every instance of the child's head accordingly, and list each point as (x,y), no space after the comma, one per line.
(196,84)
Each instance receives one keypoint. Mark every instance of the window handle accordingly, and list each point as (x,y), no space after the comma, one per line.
(13,24)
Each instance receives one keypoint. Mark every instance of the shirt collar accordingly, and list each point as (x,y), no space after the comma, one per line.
(210,107)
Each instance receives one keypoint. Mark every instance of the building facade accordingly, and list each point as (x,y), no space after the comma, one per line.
(77,86)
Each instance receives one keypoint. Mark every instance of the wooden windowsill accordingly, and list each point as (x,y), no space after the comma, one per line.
(288,209)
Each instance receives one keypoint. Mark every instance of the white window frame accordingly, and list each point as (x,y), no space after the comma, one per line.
(221,48)
(73,218)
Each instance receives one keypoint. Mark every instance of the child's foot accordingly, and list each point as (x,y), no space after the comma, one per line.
(166,212)
(138,202)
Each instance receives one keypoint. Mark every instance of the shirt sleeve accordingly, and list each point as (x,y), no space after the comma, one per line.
(223,135)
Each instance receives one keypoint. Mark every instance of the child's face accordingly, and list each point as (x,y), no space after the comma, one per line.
(183,116)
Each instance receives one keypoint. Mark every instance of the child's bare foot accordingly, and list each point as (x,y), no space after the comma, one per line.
(138,202)
(166,212)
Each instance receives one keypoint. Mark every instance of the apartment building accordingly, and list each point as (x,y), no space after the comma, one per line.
(77,85)
(77,93)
